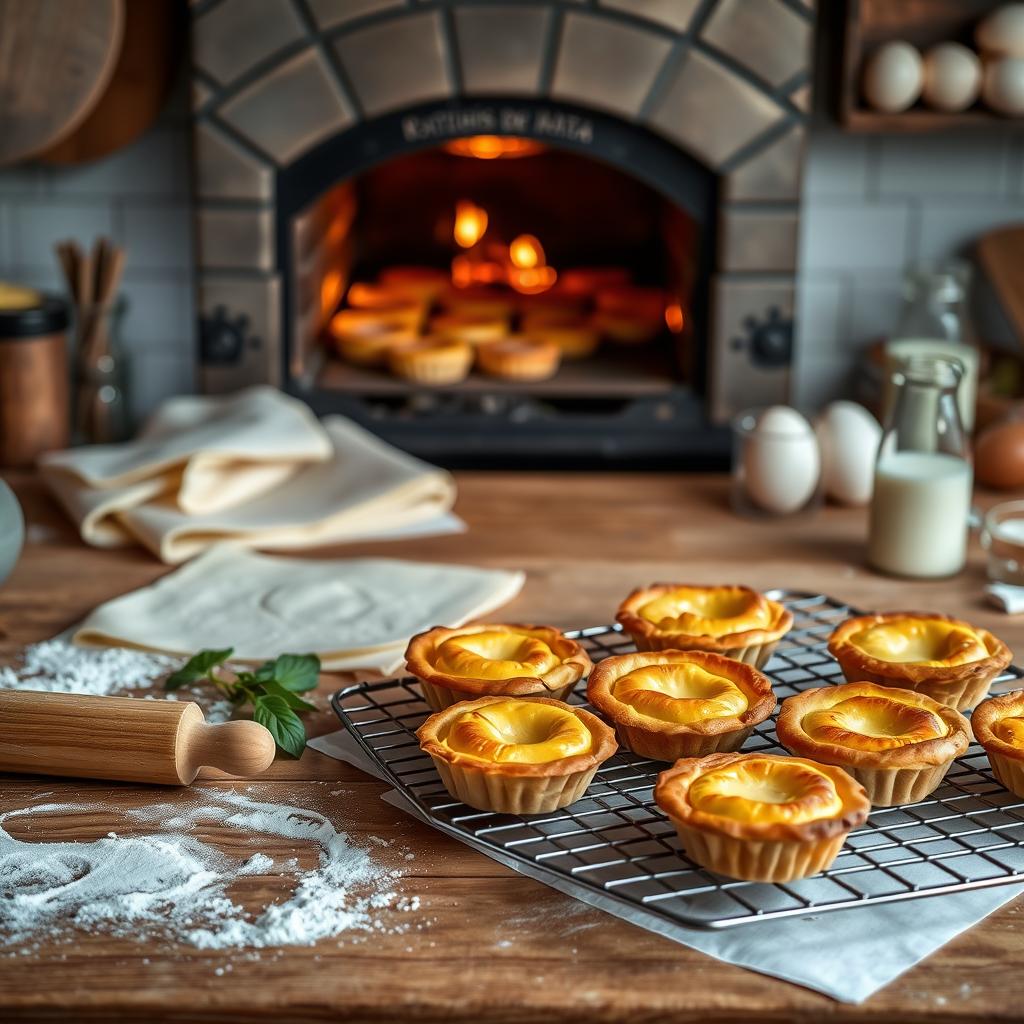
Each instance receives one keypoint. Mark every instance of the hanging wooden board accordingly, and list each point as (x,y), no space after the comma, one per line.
(56,58)
(150,56)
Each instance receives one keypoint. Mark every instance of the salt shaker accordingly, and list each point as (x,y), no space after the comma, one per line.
(923,475)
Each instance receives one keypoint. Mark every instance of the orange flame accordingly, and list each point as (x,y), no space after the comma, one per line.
(470,223)
(526,252)
(675,320)
(493,147)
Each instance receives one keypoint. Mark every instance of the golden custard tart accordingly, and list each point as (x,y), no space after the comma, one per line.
(761,817)
(898,744)
(494,660)
(671,704)
(525,755)
(731,620)
(998,725)
(951,661)
(432,360)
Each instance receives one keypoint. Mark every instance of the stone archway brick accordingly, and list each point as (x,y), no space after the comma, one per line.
(711,111)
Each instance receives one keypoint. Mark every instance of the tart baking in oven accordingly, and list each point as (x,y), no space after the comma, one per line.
(518,357)
(949,660)
(998,725)
(432,360)
(761,817)
(735,621)
(672,704)
(494,660)
(527,755)
(896,743)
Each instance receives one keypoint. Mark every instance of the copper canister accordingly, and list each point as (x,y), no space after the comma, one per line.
(34,400)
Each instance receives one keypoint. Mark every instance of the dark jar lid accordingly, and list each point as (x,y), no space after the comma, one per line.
(49,317)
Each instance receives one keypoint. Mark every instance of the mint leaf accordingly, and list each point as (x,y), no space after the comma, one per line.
(293,700)
(197,667)
(284,725)
(297,672)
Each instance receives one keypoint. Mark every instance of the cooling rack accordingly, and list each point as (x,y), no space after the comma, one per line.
(618,847)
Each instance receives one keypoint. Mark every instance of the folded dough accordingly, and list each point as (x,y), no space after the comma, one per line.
(354,613)
(365,487)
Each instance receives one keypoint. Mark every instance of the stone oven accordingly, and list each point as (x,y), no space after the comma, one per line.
(659,141)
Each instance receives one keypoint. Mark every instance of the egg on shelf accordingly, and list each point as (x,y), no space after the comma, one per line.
(999,456)
(781,463)
(1001,34)
(893,77)
(1003,86)
(848,436)
(952,77)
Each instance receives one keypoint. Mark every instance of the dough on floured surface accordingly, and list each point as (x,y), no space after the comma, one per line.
(354,613)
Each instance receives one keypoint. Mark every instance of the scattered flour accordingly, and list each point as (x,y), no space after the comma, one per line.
(64,667)
(171,884)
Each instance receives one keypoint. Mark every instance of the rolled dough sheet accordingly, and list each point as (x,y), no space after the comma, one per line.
(202,453)
(354,613)
(365,486)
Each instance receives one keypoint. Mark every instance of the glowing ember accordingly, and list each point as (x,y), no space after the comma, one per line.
(532,280)
(470,223)
(526,252)
(675,320)
(493,147)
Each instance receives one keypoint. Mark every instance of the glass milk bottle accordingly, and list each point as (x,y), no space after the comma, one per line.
(923,475)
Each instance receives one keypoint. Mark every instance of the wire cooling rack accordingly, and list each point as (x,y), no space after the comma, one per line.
(617,847)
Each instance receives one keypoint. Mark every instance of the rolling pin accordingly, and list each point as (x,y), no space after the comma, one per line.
(123,738)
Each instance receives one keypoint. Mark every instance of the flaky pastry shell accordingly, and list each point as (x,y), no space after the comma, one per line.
(958,686)
(898,775)
(754,646)
(668,741)
(514,788)
(441,689)
(751,850)
(1007,759)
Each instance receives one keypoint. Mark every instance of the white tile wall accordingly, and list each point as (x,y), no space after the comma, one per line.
(140,196)
(872,207)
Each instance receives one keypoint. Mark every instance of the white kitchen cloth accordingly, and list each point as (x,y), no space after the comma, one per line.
(199,453)
(846,954)
(354,613)
(366,488)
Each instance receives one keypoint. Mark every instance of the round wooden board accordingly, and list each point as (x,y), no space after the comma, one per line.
(56,58)
(149,58)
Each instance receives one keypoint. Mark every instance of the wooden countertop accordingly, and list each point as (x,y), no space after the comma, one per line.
(585,541)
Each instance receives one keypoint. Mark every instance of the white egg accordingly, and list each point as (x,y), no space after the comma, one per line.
(952,77)
(1001,34)
(1003,88)
(849,437)
(781,461)
(893,77)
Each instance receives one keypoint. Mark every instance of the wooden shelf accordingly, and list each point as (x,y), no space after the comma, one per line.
(923,23)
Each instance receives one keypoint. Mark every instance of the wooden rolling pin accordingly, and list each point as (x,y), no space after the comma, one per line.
(123,738)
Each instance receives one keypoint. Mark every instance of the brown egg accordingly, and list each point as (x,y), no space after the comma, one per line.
(999,456)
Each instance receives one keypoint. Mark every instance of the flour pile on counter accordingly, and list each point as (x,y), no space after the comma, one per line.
(63,667)
(172,885)
(255,468)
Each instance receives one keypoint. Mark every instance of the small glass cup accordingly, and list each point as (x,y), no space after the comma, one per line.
(1002,537)
(776,463)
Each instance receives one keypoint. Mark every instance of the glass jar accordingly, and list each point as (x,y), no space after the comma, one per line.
(918,523)
(934,322)
(101,400)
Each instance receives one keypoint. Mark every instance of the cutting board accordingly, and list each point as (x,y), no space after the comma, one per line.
(56,58)
(149,58)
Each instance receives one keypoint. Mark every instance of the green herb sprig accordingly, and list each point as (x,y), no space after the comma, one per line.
(272,690)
